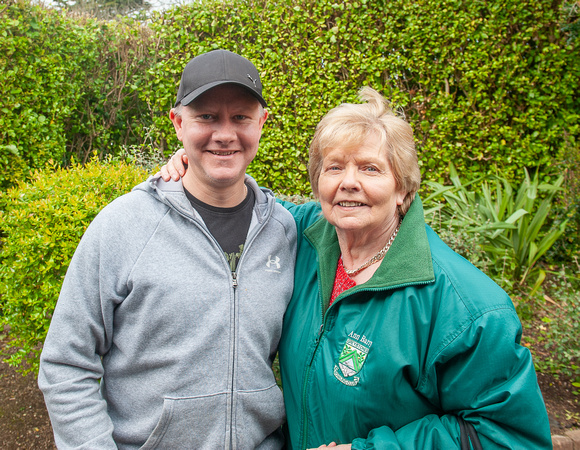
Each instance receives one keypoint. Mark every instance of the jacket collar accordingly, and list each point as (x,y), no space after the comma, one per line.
(407,262)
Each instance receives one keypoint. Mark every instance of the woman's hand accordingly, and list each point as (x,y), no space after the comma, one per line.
(334,445)
(175,167)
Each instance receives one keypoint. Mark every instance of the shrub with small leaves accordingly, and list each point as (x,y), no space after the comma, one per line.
(41,224)
(556,339)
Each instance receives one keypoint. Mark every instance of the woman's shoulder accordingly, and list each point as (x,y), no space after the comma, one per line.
(475,289)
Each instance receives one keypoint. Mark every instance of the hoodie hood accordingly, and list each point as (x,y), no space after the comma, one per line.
(172,194)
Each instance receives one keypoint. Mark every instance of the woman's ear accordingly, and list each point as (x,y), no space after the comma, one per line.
(401,196)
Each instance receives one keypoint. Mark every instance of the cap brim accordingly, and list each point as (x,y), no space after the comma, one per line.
(187,99)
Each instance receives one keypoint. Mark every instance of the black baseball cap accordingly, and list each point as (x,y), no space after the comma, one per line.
(211,69)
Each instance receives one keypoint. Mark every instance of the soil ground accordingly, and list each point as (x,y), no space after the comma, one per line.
(24,422)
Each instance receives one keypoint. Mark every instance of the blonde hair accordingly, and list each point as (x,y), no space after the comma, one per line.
(348,125)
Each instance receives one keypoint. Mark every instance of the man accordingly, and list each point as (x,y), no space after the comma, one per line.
(171,310)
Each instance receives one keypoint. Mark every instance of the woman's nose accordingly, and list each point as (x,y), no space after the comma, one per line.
(350,179)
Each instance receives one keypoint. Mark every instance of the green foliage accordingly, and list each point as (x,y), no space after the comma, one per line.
(104,9)
(41,225)
(567,249)
(508,224)
(64,87)
(571,19)
(555,341)
(486,84)
(489,85)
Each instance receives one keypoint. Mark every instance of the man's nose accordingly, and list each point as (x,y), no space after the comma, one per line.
(225,132)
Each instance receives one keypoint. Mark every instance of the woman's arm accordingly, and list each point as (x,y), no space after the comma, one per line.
(175,167)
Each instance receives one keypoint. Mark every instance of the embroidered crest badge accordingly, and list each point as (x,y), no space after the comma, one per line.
(351,360)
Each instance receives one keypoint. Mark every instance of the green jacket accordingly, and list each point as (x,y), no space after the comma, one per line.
(394,361)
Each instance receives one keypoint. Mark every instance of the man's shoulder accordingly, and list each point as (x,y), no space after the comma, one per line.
(129,203)
(130,211)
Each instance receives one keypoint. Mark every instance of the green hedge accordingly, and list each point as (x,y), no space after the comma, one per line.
(65,87)
(487,84)
(42,224)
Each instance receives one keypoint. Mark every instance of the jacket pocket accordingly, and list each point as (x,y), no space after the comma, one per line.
(259,415)
(191,423)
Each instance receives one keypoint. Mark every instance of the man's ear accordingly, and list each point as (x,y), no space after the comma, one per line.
(264,118)
(177,121)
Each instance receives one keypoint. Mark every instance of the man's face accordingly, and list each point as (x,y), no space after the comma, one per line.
(220,131)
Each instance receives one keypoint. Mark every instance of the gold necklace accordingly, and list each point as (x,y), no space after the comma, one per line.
(380,255)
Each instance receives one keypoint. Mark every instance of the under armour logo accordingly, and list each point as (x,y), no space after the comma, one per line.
(273,262)
(252,80)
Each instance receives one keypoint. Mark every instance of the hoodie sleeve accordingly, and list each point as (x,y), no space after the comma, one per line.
(486,377)
(80,333)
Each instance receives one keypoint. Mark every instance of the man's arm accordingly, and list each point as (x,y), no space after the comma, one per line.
(70,364)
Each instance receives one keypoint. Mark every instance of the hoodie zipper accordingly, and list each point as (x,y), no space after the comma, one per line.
(234,275)
(250,239)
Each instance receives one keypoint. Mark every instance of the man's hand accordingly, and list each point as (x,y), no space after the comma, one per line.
(175,167)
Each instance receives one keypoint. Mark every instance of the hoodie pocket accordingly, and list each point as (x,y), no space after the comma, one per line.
(259,416)
(191,422)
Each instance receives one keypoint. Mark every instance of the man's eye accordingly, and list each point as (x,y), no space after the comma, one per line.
(206,116)
(240,117)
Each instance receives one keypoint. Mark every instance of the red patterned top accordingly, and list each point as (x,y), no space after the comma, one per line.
(342,282)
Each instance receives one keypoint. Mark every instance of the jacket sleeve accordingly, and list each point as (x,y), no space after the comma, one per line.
(484,376)
(79,335)
(304,214)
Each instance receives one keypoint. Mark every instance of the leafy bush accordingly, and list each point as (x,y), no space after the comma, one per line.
(508,224)
(41,225)
(491,87)
(555,336)
(65,87)
(486,84)
(567,250)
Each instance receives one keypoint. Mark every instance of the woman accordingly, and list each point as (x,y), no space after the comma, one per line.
(391,337)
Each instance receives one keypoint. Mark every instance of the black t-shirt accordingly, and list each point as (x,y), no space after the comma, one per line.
(229,226)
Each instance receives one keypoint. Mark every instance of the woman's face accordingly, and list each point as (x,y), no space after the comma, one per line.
(357,189)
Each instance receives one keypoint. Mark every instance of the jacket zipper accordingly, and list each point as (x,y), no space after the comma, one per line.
(319,337)
(307,375)
(234,286)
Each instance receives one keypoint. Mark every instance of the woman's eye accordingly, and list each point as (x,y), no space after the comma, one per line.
(371,169)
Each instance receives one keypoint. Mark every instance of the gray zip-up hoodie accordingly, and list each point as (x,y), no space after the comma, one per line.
(155,343)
